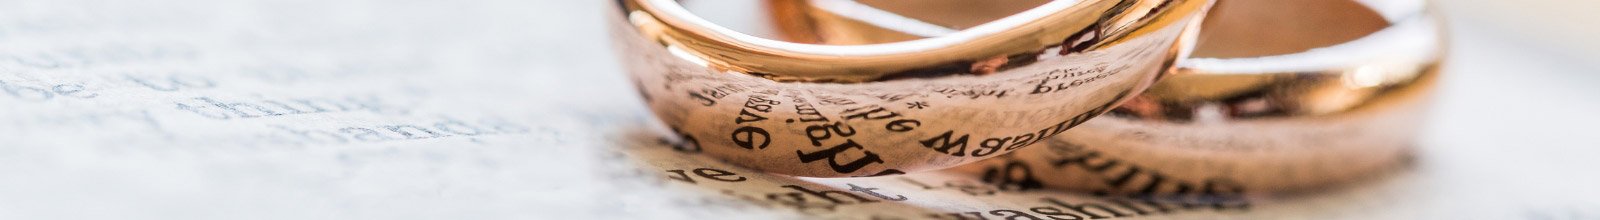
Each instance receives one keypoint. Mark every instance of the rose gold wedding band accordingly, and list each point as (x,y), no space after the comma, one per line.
(1345,103)
(806,109)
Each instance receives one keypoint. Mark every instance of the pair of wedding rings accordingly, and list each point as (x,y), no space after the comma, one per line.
(1254,95)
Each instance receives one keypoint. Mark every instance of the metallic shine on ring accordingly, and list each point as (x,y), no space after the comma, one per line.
(806,109)
(1234,121)
(1280,95)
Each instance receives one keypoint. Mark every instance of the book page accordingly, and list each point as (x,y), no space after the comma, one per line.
(358,109)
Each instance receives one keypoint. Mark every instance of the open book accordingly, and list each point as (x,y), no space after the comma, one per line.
(298,109)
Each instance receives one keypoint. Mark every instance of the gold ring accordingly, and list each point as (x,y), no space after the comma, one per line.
(821,110)
(1280,95)
(1345,103)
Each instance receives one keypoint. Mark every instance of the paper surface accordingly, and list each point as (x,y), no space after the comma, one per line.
(518,110)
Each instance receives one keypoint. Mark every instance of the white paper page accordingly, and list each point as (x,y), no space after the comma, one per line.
(230,109)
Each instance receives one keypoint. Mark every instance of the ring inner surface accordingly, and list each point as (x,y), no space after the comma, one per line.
(1256,28)
(1233,29)
(954,14)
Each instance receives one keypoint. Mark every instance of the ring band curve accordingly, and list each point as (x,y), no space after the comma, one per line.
(1279,96)
(819,110)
